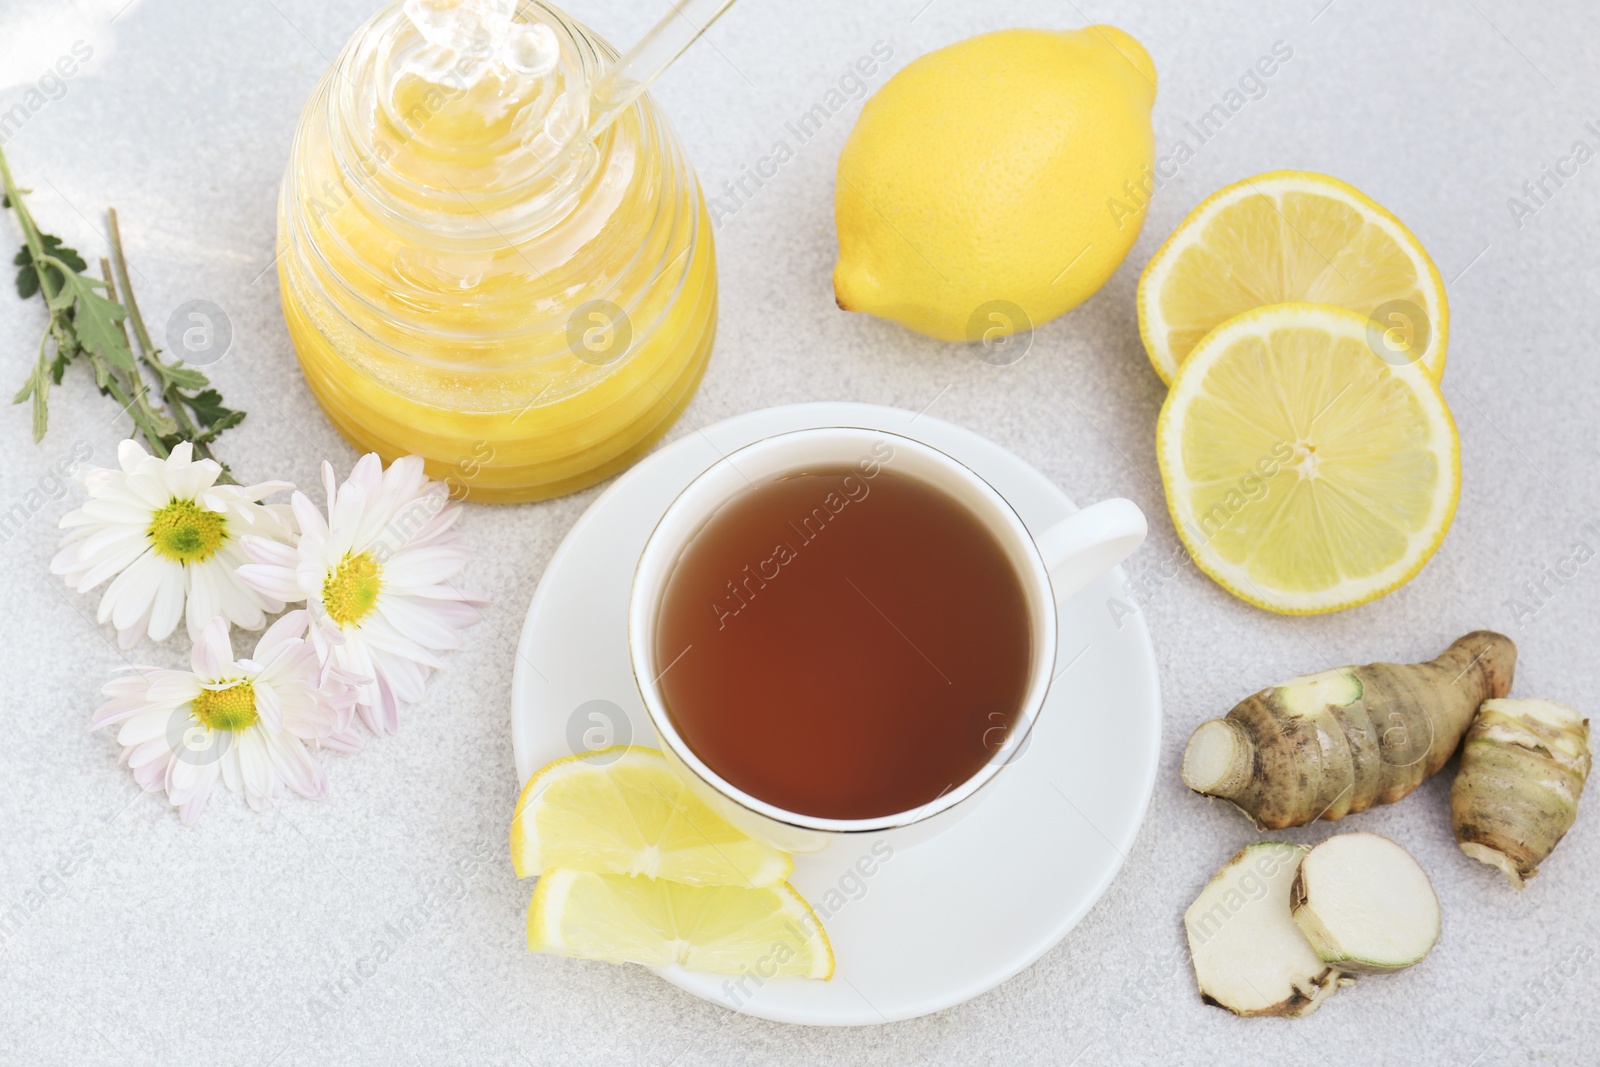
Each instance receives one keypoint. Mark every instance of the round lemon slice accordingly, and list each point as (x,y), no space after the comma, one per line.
(1304,471)
(622,810)
(771,932)
(1292,236)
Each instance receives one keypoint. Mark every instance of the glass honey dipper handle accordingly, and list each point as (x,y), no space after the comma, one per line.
(654,53)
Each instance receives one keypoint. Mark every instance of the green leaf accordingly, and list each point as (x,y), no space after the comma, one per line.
(209,412)
(186,378)
(97,320)
(27,277)
(163,423)
(27,270)
(206,437)
(53,247)
(228,421)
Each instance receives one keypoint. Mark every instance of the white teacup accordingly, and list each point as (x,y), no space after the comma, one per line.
(1051,567)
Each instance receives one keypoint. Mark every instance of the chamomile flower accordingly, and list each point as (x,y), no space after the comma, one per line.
(168,538)
(378,577)
(250,723)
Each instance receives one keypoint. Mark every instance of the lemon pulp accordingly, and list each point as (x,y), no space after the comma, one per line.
(1305,472)
(622,810)
(1292,236)
(770,932)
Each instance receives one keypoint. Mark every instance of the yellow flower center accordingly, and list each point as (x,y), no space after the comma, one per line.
(233,708)
(185,532)
(350,591)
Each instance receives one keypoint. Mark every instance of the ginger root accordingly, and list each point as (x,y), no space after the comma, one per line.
(1325,745)
(1249,955)
(1522,771)
(1365,905)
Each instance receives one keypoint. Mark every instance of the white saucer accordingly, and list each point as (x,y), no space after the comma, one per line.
(935,924)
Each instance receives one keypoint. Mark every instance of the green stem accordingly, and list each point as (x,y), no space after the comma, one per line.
(30,236)
(120,261)
(30,232)
(147,417)
(148,353)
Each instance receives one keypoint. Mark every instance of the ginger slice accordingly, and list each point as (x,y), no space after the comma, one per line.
(1365,905)
(1249,955)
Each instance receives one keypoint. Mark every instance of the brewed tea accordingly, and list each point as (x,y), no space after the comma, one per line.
(844,644)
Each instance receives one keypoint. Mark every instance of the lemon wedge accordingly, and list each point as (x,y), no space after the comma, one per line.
(770,931)
(622,810)
(1304,471)
(1291,236)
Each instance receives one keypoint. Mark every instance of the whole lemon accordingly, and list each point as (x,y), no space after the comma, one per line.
(996,183)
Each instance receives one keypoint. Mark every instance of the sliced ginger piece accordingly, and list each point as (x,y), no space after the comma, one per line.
(1365,905)
(1249,955)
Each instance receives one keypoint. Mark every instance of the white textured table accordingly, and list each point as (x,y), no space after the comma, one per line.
(392,905)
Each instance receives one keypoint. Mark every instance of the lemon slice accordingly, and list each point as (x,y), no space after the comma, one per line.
(770,931)
(1304,472)
(622,810)
(1291,236)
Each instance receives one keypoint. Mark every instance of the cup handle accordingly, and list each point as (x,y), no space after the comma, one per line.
(1088,543)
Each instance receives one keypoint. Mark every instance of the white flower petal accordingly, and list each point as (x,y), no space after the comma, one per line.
(129,455)
(278,583)
(268,707)
(228,766)
(262,490)
(414,620)
(114,507)
(212,658)
(255,769)
(205,599)
(205,781)
(307,516)
(144,726)
(296,766)
(290,628)
(155,750)
(267,552)
(148,486)
(383,715)
(237,601)
(422,566)
(167,608)
(190,482)
(127,601)
(108,565)
(171,689)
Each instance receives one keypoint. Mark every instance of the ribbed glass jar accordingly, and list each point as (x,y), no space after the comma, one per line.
(469,275)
